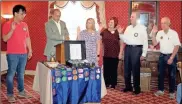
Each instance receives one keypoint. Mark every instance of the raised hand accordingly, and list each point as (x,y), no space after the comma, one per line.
(78,30)
(154,29)
(120,30)
(100,27)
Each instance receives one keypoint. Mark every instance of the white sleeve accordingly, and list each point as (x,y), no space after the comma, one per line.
(158,36)
(123,36)
(145,43)
(176,39)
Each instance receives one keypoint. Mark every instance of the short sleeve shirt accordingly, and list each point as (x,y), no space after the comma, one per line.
(91,45)
(17,42)
(111,43)
(167,41)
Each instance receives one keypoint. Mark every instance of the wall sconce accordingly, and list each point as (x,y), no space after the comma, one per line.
(7,16)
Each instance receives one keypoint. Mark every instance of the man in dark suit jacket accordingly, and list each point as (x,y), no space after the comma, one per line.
(56,33)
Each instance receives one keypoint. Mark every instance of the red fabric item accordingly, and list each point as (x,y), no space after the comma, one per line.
(111,43)
(17,42)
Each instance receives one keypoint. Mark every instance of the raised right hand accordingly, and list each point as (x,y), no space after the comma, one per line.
(120,30)
(155,29)
(100,27)
(78,30)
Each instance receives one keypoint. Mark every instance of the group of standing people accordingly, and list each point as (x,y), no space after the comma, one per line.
(133,44)
(113,40)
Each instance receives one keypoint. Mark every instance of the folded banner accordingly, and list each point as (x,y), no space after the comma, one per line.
(76,85)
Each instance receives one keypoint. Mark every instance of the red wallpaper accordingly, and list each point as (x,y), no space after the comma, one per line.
(119,9)
(173,11)
(37,15)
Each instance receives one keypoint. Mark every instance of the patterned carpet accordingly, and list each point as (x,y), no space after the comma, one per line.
(113,96)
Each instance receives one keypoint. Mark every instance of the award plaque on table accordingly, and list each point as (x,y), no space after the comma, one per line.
(69,51)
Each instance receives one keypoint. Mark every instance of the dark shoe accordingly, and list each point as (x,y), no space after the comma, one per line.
(136,92)
(128,89)
(113,86)
(107,86)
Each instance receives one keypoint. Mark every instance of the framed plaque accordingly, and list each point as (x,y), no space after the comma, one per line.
(75,50)
(70,50)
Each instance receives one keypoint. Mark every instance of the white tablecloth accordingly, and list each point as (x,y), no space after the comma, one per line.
(4,64)
(43,84)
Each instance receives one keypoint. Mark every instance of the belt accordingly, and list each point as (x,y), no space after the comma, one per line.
(166,54)
(134,45)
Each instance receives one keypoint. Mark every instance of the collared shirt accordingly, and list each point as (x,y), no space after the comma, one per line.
(136,36)
(58,26)
(17,42)
(167,41)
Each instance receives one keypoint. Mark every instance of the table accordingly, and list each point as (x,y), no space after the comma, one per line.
(4,64)
(43,84)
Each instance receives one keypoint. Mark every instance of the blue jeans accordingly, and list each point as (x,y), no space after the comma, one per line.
(16,64)
(171,72)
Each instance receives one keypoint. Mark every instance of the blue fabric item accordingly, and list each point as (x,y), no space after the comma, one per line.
(82,86)
(179,93)
(96,94)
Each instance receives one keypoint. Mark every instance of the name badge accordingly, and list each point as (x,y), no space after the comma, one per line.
(64,78)
(98,70)
(161,37)
(24,29)
(69,78)
(86,74)
(69,73)
(69,69)
(136,34)
(74,72)
(80,70)
(98,76)
(58,80)
(64,72)
(80,75)
(87,78)
(57,73)
(75,77)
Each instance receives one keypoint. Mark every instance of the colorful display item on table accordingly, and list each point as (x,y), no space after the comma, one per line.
(76,85)
(51,64)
